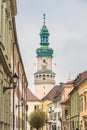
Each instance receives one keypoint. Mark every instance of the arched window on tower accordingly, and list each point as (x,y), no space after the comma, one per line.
(44,77)
(44,61)
(46,39)
(43,38)
(39,76)
(44,64)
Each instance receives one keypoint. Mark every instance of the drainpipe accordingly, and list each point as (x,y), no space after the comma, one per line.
(13,89)
(18,100)
(26,106)
(23,100)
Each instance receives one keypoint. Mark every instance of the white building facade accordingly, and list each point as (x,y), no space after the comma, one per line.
(55,114)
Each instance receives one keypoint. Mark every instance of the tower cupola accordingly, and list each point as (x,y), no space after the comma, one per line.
(44,50)
(44,34)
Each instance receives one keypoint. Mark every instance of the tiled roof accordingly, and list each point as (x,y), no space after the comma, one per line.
(31,96)
(80,78)
(53,93)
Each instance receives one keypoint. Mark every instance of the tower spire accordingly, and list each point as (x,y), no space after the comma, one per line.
(44,19)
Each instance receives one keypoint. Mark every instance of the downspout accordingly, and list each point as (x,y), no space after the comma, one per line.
(26,105)
(13,89)
(18,100)
(23,101)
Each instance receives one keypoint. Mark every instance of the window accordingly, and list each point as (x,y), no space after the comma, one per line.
(66,112)
(55,116)
(50,109)
(58,128)
(85,102)
(46,39)
(36,107)
(81,104)
(43,38)
(44,61)
(58,115)
(26,107)
(55,104)
(58,104)
(43,78)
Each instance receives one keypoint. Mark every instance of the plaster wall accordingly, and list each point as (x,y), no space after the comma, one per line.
(41,90)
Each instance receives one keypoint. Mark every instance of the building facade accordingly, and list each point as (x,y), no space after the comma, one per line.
(82,92)
(54,110)
(33,103)
(7,12)
(12,112)
(19,94)
(65,104)
(57,124)
(74,99)
(44,78)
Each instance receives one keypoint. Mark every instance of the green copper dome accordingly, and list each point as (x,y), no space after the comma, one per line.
(44,30)
(44,51)
(44,72)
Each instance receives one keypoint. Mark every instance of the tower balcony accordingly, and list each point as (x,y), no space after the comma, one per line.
(44,78)
(42,81)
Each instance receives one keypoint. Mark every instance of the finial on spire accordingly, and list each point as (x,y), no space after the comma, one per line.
(44,19)
(69,78)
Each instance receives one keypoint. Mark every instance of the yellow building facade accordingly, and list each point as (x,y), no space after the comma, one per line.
(7,12)
(82,91)
(12,112)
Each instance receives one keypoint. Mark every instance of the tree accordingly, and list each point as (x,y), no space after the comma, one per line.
(37,119)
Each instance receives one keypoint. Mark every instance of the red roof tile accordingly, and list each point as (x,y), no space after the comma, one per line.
(31,96)
(53,93)
(80,78)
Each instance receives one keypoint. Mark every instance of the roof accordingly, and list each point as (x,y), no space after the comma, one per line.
(53,93)
(44,51)
(82,76)
(31,96)
(44,72)
(44,29)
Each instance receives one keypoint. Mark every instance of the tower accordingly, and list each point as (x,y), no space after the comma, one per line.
(44,78)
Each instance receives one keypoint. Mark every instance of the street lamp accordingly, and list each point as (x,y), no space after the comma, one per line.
(15,80)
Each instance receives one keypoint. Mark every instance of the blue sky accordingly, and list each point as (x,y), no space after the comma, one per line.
(66,21)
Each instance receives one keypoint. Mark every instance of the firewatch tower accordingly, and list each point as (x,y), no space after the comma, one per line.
(44,78)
